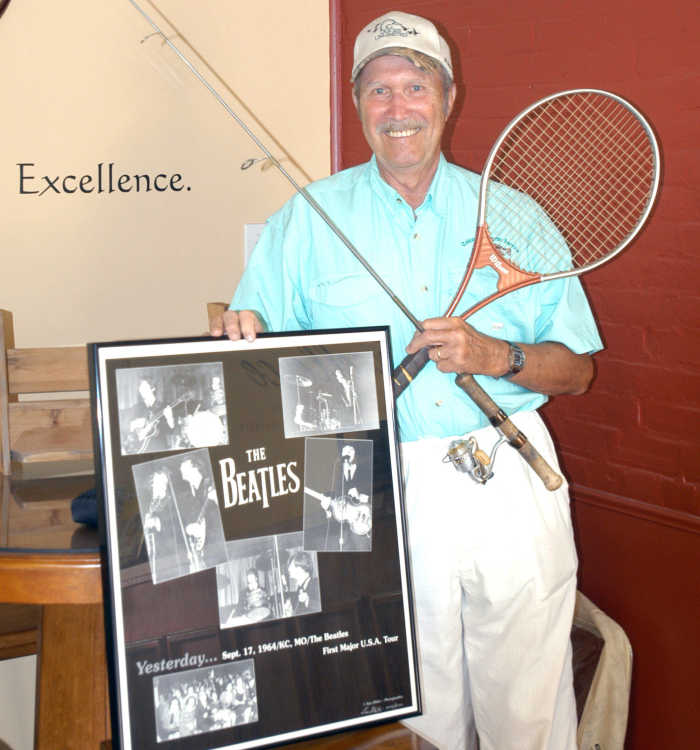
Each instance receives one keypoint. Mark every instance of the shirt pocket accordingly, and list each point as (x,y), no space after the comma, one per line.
(343,299)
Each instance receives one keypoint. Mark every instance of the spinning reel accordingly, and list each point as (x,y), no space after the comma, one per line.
(468,458)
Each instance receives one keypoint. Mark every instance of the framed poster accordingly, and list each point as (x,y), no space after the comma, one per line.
(257,584)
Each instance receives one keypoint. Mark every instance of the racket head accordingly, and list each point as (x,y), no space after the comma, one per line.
(567,185)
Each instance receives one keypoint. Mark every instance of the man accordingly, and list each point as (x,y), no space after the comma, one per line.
(199,507)
(161,531)
(494,565)
(346,522)
(306,596)
(254,603)
(149,424)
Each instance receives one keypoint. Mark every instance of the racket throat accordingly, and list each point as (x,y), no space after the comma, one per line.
(486,253)
(489,254)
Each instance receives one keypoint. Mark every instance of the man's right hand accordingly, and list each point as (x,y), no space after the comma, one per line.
(236,324)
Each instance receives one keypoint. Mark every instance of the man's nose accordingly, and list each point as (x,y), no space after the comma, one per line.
(398,106)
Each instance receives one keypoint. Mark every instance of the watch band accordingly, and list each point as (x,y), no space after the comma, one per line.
(516,360)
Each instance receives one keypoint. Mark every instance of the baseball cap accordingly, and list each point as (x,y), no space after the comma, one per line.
(398,29)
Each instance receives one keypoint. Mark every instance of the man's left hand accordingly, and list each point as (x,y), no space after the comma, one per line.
(455,346)
(550,368)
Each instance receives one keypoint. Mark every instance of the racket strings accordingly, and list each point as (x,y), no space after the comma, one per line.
(615,143)
(588,188)
(588,163)
(594,198)
(593,148)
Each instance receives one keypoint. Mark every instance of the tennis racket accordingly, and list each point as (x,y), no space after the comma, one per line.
(565,188)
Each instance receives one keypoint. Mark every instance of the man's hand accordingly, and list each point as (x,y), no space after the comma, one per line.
(455,346)
(236,324)
(550,367)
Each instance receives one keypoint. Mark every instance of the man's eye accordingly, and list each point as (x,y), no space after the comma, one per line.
(416,87)
(380,90)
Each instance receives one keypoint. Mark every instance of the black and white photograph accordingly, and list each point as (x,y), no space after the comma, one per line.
(234,617)
(204,700)
(171,408)
(338,495)
(267,578)
(328,393)
(180,514)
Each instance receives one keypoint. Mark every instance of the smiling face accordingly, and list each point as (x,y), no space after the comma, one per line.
(403,112)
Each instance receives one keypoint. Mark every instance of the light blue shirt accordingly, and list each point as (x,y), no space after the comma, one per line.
(300,276)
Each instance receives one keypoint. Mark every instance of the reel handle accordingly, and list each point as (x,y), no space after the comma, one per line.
(499,419)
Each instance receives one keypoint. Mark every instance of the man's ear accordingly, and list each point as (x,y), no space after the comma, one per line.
(451,99)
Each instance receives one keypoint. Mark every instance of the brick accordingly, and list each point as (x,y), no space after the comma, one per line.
(507,68)
(586,471)
(584,438)
(514,37)
(587,60)
(678,202)
(690,463)
(688,176)
(670,418)
(632,448)
(680,274)
(649,381)
(598,407)
(688,234)
(654,307)
(659,238)
(675,345)
(616,345)
(637,446)
(495,103)
(676,45)
(669,95)
(647,486)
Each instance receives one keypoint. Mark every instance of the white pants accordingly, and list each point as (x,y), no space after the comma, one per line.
(494,574)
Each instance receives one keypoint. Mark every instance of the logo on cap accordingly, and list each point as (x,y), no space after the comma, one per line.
(389,27)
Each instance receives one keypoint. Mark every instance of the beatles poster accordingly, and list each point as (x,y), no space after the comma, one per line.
(258,584)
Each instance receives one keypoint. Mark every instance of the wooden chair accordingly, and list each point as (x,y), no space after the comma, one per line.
(45,429)
(53,599)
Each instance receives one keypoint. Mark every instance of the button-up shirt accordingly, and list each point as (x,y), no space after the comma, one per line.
(300,276)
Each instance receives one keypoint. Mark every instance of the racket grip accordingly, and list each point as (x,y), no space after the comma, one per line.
(499,419)
(409,367)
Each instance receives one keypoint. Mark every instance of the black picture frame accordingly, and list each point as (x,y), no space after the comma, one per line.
(257,583)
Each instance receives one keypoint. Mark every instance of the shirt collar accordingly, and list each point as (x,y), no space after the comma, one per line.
(433,200)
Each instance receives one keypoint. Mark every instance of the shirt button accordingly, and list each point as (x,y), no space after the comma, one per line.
(438,403)
(416,236)
(424,288)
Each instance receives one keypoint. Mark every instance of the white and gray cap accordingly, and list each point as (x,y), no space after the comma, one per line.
(398,29)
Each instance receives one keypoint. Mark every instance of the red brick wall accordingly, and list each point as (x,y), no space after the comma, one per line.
(631,446)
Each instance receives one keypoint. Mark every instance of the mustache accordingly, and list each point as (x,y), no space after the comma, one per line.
(408,124)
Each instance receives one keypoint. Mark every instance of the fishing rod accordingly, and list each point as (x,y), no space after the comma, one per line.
(496,416)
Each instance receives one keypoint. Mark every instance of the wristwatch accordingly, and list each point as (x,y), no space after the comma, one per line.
(516,360)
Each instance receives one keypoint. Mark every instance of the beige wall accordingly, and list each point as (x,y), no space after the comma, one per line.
(81,88)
